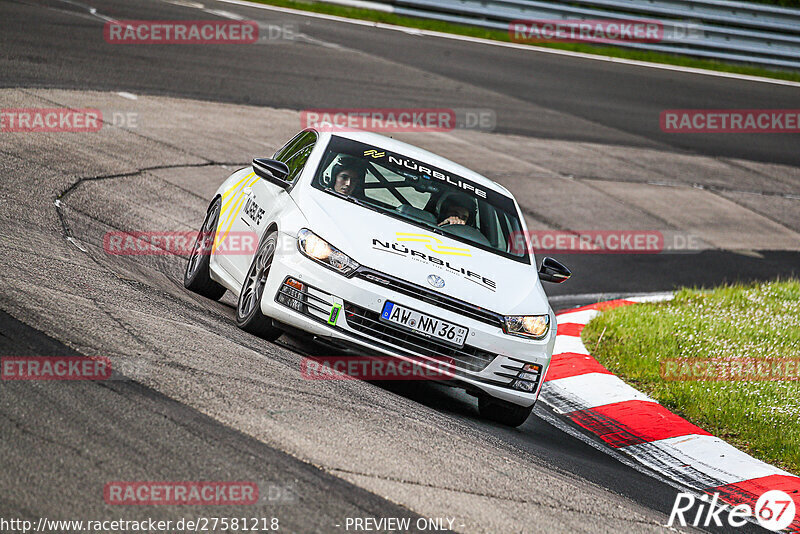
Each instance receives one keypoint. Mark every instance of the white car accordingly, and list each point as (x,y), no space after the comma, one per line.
(379,247)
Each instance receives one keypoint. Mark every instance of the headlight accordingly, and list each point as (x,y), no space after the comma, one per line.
(530,326)
(320,250)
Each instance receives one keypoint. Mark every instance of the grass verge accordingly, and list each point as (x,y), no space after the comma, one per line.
(497,35)
(731,322)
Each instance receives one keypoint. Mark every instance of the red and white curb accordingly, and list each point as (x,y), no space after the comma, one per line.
(628,421)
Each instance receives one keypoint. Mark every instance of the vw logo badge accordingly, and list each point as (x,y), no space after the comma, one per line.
(436,281)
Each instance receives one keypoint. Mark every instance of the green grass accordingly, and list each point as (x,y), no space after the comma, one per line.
(753,321)
(498,35)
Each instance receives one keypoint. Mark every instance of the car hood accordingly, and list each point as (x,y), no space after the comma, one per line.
(412,253)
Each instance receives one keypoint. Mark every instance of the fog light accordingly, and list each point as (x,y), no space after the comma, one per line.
(294,283)
(291,295)
(522,385)
(528,378)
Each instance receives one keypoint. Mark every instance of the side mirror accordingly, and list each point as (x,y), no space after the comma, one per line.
(553,271)
(272,170)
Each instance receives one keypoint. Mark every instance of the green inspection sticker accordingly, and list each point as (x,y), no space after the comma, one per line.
(334,314)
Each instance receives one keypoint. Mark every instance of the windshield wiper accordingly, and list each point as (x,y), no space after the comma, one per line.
(347,197)
(432,227)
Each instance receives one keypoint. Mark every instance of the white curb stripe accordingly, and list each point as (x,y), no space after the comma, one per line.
(659,297)
(589,391)
(580,317)
(684,456)
(569,344)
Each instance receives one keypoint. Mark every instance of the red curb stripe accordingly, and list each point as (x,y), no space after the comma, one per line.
(569,364)
(570,329)
(748,492)
(600,306)
(633,422)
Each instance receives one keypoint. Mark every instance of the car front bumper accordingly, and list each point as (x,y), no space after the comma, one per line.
(488,363)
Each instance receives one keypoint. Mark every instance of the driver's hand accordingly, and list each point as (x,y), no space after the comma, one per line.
(452,220)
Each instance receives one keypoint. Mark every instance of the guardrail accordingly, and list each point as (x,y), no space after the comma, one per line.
(713,29)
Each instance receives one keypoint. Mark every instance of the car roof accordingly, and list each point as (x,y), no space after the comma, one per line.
(420,154)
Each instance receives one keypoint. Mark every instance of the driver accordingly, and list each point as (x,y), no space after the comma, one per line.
(457,209)
(348,174)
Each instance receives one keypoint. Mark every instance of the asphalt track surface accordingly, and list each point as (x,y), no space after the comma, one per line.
(158,427)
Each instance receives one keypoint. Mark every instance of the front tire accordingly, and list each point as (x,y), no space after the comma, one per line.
(197,276)
(248,308)
(503,412)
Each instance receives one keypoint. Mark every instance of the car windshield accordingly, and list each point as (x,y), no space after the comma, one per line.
(421,194)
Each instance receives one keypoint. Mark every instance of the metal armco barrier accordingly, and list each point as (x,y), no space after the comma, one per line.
(713,29)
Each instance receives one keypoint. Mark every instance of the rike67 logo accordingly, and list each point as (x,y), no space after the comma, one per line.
(774,510)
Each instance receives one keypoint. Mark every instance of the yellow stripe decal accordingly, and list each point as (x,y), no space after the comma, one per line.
(233,213)
(231,218)
(434,244)
(403,236)
(239,187)
(461,251)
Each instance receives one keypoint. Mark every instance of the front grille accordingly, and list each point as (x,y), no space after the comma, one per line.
(368,322)
(431,297)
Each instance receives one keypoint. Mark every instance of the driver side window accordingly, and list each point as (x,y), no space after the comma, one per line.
(296,152)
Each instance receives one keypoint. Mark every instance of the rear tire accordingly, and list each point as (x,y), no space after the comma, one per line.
(197,276)
(248,308)
(503,412)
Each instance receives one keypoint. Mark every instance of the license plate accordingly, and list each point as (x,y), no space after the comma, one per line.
(424,324)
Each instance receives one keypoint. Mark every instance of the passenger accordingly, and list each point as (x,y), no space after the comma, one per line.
(457,209)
